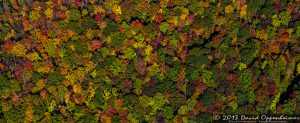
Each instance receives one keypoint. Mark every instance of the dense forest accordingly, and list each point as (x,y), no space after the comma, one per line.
(132,61)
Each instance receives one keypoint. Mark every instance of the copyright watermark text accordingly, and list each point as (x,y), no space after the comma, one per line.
(255,118)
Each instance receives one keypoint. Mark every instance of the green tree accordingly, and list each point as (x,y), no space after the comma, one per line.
(55,77)
(284,18)
(73,14)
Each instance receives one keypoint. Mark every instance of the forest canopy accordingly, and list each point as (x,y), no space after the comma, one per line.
(133,61)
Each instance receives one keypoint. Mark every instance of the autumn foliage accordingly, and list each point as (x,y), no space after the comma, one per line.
(133,61)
